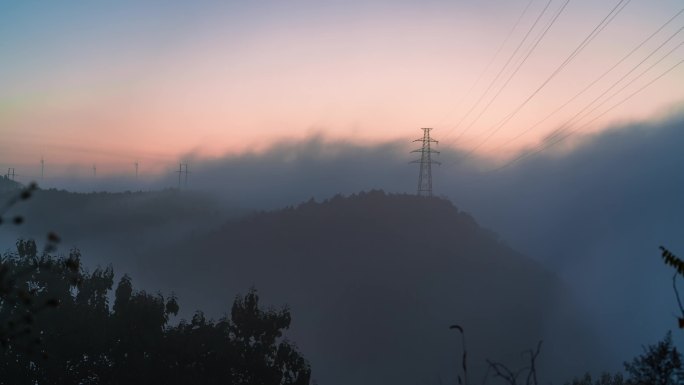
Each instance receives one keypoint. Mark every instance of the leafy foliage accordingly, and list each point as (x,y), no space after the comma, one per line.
(672,260)
(603,379)
(87,341)
(25,299)
(661,364)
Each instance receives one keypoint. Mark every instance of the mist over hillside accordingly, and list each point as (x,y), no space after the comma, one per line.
(8,185)
(114,228)
(591,228)
(373,280)
(342,192)
(594,211)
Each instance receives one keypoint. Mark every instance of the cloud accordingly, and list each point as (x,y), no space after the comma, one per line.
(595,213)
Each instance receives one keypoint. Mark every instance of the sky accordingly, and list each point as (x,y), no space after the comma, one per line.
(272,102)
(594,216)
(109,84)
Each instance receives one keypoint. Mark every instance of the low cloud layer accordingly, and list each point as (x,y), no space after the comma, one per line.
(594,214)
(597,215)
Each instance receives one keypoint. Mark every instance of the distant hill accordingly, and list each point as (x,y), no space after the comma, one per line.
(114,227)
(374,280)
(102,212)
(7,184)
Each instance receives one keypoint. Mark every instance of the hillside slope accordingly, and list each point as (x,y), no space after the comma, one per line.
(374,280)
(8,185)
(114,227)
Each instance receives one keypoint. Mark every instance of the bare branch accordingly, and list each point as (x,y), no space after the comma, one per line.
(532,375)
(674,286)
(486,375)
(500,370)
(464,363)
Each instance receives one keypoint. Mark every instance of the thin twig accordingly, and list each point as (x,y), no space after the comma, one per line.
(508,376)
(533,369)
(484,379)
(674,286)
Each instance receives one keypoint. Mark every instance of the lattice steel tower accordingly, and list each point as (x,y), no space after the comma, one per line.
(426,151)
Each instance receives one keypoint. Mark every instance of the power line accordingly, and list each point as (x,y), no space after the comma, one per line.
(549,144)
(633,80)
(491,84)
(599,27)
(569,121)
(594,81)
(36,176)
(636,77)
(491,61)
(534,46)
(629,96)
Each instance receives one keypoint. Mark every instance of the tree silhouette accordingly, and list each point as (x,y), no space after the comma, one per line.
(661,364)
(87,341)
(603,379)
(20,301)
(675,262)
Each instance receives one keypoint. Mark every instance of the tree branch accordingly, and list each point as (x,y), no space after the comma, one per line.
(500,370)
(533,369)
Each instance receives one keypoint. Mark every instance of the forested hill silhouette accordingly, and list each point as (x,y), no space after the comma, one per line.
(82,215)
(61,324)
(375,279)
(116,227)
(7,184)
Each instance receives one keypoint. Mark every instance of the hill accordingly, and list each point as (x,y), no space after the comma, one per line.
(114,227)
(375,279)
(8,185)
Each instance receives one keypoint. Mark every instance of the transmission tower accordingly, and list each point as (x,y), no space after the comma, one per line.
(42,168)
(186,175)
(425,174)
(94,171)
(183,169)
(10,173)
(136,164)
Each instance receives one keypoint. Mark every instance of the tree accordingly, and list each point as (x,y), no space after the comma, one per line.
(661,364)
(255,334)
(19,303)
(87,341)
(603,379)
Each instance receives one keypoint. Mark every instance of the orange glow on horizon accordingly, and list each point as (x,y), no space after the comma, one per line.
(373,79)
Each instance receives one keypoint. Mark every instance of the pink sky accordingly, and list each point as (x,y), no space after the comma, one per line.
(84,92)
